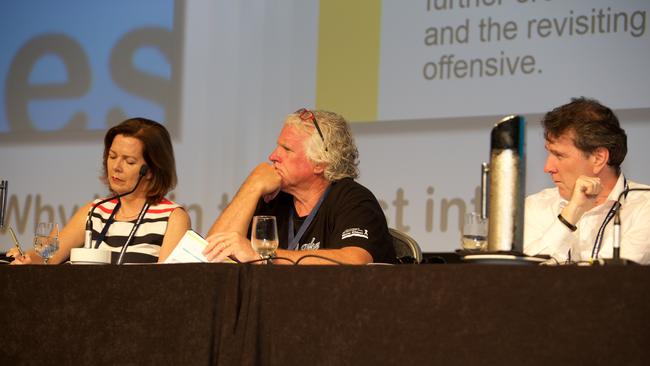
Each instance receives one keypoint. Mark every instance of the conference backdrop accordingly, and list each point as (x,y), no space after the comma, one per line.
(422,81)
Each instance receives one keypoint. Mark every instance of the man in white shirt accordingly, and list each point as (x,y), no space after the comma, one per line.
(573,222)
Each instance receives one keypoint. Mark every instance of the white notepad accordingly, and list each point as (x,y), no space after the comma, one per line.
(189,250)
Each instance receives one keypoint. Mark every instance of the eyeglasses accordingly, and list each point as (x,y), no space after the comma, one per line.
(307,115)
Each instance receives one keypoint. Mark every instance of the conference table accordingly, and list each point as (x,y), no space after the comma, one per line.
(227,314)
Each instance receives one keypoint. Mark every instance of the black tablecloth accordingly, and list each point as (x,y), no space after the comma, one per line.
(205,314)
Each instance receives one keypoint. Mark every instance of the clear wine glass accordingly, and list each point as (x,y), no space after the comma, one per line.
(46,239)
(264,236)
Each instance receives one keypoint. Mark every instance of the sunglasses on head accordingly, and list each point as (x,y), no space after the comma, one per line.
(307,115)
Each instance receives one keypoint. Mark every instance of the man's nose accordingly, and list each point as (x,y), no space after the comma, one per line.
(274,155)
(549,166)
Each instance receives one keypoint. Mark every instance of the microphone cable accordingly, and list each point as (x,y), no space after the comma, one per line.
(319,257)
(270,260)
(297,262)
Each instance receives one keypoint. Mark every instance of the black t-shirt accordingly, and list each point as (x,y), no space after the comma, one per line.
(349,216)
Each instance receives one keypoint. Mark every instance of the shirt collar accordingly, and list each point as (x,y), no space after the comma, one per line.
(618,188)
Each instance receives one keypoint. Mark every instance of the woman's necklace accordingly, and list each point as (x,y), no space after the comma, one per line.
(124,216)
(127,217)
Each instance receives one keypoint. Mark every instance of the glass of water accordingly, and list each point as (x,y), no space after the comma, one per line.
(264,236)
(474,233)
(46,239)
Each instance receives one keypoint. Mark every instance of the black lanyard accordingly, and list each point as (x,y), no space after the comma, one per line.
(599,237)
(143,212)
(293,240)
(110,220)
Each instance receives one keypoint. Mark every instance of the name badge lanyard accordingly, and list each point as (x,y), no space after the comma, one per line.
(110,220)
(143,212)
(601,231)
(293,240)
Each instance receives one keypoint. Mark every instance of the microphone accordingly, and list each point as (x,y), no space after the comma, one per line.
(616,255)
(89,223)
(4,186)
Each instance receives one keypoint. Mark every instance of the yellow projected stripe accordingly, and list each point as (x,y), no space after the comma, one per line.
(348,58)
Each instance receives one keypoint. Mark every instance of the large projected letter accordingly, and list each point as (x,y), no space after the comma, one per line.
(19,90)
(140,82)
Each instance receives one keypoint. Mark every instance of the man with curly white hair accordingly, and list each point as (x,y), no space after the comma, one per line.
(322,213)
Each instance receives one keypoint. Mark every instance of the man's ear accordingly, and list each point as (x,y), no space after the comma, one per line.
(599,159)
(319,169)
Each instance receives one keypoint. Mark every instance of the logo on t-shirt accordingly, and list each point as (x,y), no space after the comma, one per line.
(355,231)
(311,245)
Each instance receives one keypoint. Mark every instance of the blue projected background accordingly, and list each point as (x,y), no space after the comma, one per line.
(67,47)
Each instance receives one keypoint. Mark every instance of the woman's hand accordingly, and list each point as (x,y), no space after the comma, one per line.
(20,259)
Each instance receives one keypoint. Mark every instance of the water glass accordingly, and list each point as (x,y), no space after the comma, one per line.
(46,239)
(264,235)
(474,233)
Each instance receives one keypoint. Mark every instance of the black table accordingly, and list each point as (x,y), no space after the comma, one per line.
(204,314)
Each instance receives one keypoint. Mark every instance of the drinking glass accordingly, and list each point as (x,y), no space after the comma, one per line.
(46,239)
(474,233)
(264,236)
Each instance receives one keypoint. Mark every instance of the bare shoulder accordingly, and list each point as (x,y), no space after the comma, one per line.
(180,217)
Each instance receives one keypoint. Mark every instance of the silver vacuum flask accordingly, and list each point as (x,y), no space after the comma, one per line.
(507,185)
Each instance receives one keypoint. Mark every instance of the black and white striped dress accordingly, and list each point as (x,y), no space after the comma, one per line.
(146,243)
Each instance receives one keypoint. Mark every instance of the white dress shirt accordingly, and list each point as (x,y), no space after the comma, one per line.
(545,234)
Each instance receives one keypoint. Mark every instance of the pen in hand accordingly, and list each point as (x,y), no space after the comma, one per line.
(16,243)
